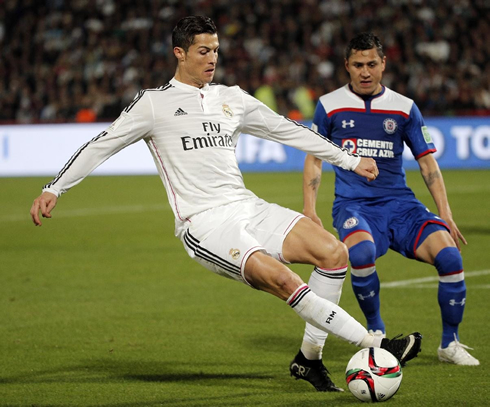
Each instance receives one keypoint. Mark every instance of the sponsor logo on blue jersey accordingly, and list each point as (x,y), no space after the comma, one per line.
(369,148)
(349,123)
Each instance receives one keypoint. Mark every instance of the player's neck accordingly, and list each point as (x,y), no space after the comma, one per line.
(377,92)
(188,80)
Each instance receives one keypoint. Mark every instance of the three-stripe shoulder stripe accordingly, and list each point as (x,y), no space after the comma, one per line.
(299,296)
(73,158)
(102,134)
(142,92)
(205,254)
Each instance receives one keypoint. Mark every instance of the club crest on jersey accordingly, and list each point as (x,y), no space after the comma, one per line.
(227,111)
(350,223)
(390,125)
(234,253)
(350,144)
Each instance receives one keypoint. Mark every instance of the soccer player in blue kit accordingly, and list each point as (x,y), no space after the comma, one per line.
(371,120)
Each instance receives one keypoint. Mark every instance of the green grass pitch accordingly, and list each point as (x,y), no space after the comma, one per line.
(102,307)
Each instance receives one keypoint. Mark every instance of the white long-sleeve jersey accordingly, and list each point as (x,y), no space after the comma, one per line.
(192,134)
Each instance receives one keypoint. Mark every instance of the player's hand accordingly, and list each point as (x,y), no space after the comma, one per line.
(367,168)
(44,203)
(455,233)
(314,217)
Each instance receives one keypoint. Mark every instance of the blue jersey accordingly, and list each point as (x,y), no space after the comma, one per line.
(373,126)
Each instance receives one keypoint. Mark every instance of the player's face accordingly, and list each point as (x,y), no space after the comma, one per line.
(196,67)
(366,70)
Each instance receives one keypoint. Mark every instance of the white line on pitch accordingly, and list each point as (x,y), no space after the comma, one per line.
(108,210)
(412,281)
(435,286)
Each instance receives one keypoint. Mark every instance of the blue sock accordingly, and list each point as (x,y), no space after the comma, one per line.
(365,283)
(452,292)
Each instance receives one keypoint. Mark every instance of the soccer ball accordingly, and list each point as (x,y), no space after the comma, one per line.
(373,374)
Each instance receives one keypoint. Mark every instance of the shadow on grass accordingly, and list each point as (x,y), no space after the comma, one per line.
(108,370)
(244,389)
(336,349)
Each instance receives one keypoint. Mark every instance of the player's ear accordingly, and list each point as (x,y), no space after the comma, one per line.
(179,53)
(383,61)
(346,64)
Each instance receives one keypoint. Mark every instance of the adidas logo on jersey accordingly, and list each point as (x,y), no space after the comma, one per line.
(179,112)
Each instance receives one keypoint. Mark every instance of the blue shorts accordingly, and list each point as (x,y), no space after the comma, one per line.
(397,224)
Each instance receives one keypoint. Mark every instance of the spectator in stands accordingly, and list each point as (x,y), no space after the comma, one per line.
(64,46)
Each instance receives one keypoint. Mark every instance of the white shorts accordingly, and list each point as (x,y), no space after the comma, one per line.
(222,239)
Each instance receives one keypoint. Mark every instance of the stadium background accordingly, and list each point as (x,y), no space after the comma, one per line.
(83,61)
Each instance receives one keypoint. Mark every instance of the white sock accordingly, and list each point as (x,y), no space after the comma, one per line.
(326,283)
(326,316)
(371,340)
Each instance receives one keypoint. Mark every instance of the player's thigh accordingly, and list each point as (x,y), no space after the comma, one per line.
(417,232)
(433,244)
(309,243)
(356,222)
(222,239)
(271,224)
(217,239)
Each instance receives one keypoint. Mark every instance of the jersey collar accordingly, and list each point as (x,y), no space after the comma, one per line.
(367,98)
(188,88)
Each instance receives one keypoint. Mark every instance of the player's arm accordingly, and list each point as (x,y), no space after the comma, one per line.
(312,177)
(435,184)
(135,122)
(264,123)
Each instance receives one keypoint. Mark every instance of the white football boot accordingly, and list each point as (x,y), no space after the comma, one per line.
(456,353)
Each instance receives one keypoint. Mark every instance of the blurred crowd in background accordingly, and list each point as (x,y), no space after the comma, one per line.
(85,60)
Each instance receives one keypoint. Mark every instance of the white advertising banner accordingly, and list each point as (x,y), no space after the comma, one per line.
(43,149)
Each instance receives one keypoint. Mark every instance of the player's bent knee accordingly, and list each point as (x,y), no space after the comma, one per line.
(341,254)
(333,254)
(362,254)
(449,263)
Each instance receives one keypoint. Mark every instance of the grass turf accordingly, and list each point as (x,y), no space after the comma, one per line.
(102,307)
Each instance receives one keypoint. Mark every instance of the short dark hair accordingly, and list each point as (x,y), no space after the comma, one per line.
(188,27)
(364,41)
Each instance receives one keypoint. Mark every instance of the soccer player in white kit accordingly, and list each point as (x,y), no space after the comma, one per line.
(191,128)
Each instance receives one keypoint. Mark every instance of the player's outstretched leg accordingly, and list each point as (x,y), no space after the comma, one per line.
(307,365)
(329,317)
(403,348)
